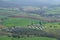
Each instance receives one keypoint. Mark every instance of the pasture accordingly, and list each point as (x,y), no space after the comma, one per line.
(19,22)
(55,10)
(24,22)
(29,38)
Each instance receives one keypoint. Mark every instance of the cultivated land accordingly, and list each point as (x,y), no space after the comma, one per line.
(34,38)
(8,21)
(54,10)
(19,22)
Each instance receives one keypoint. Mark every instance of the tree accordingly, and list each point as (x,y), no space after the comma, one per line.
(50,26)
(40,23)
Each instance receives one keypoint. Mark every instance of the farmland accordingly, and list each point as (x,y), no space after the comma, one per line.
(29,20)
(16,18)
(19,22)
(34,38)
(55,10)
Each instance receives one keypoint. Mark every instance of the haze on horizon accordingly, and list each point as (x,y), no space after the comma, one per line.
(54,2)
(19,3)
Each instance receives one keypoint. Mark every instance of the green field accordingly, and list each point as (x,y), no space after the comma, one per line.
(55,10)
(23,22)
(52,25)
(19,22)
(30,38)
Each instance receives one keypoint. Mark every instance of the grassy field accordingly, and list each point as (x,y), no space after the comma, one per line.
(33,38)
(52,25)
(55,10)
(19,22)
(8,10)
(23,22)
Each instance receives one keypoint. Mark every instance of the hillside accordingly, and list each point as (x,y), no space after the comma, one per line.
(29,20)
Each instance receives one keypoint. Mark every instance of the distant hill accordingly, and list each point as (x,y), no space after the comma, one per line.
(7,4)
(18,3)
